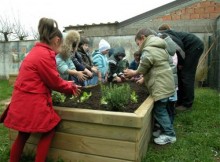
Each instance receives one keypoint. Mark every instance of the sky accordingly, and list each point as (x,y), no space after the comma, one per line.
(73,12)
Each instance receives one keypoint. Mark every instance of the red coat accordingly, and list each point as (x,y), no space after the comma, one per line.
(31,107)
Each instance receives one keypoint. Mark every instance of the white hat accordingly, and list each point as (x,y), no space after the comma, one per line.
(103,45)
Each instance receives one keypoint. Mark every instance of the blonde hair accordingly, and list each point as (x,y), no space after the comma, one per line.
(72,38)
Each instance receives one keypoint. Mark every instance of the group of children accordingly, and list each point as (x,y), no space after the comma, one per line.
(75,63)
(64,65)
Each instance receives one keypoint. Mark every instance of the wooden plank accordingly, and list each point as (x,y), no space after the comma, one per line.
(134,120)
(145,107)
(12,78)
(89,145)
(100,117)
(68,156)
(99,130)
(144,141)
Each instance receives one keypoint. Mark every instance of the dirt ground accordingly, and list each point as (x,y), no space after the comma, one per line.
(94,101)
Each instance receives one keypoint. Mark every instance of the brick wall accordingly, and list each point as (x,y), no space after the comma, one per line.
(199,10)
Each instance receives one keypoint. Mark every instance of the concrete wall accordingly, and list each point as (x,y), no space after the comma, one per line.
(11,55)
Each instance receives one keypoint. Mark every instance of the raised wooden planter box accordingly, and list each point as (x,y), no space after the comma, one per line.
(86,135)
(12,78)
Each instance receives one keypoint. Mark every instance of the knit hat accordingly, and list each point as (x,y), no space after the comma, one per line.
(104,45)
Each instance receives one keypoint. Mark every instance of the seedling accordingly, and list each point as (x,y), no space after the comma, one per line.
(134,97)
(85,96)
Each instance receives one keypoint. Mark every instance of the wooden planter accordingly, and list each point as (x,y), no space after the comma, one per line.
(86,135)
(12,78)
(99,136)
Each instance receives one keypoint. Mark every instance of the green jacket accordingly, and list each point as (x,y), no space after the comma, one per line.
(154,66)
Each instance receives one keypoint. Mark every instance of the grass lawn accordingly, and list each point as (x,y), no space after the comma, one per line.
(198,132)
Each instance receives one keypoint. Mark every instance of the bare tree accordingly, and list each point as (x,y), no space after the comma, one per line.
(6,27)
(19,29)
(34,33)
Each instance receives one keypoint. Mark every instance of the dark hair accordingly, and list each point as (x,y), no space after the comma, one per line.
(83,40)
(48,29)
(145,31)
(137,53)
(164,27)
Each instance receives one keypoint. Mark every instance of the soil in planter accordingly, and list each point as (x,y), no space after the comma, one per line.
(94,101)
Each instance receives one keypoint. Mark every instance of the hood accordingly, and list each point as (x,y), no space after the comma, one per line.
(95,53)
(153,41)
(70,38)
(119,51)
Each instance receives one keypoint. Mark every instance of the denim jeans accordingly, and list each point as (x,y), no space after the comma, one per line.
(162,117)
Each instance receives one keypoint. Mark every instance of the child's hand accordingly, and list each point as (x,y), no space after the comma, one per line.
(78,91)
(94,69)
(81,76)
(140,80)
(128,73)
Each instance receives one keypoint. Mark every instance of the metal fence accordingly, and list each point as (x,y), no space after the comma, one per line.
(214,58)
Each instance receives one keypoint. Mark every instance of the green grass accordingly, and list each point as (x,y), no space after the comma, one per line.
(198,132)
(5,92)
(5,89)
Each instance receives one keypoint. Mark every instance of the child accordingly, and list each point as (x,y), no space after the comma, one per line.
(65,66)
(158,79)
(101,61)
(117,65)
(135,63)
(31,110)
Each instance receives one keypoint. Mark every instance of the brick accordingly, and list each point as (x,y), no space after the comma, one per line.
(194,16)
(195,5)
(205,3)
(210,9)
(189,10)
(200,10)
(175,17)
(167,17)
(214,15)
(183,11)
(204,16)
(217,8)
(185,17)
(178,12)
(213,4)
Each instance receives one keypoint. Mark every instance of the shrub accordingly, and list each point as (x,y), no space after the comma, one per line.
(116,96)
(58,97)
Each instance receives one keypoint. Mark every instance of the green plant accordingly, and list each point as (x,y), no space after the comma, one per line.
(58,97)
(85,96)
(134,97)
(116,96)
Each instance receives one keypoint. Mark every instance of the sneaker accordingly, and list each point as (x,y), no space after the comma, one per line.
(183,108)
(164,139)
(157,133)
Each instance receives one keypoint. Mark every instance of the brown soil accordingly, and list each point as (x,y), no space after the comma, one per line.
(94,101)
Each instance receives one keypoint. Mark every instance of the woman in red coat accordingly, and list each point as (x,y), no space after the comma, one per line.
(31,110)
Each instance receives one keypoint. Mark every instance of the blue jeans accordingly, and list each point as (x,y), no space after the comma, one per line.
(162,117)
